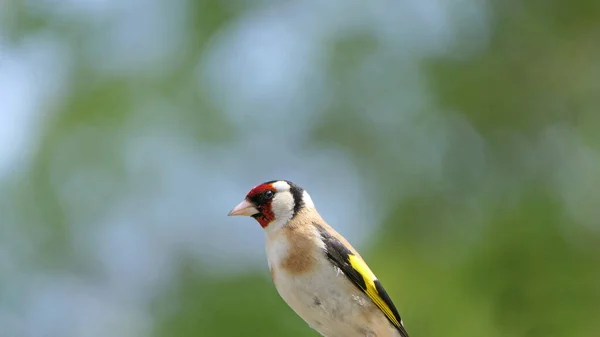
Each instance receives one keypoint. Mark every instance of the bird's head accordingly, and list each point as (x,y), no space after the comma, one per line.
(273,203)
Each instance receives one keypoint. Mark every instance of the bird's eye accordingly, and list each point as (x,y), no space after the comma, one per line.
(268,195)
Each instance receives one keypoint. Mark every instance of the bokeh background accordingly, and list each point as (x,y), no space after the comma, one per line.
(456,143)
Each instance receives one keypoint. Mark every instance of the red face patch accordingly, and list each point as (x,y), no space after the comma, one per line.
(262,196)
(260,189)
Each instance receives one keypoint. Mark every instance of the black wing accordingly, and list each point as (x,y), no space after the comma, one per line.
(360,274)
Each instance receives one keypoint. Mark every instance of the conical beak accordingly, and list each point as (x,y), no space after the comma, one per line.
(244,208)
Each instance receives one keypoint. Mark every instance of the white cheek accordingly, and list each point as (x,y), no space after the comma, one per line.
(283,206)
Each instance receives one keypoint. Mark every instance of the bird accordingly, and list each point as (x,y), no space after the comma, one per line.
(315,270)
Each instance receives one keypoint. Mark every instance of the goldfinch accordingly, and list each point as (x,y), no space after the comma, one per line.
(315,270)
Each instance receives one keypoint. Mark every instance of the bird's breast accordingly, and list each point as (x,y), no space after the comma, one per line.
(323,296)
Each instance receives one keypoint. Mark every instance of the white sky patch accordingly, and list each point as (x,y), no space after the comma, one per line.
(66,306)
(264,71)
(94,10)
(145,37)
(27,94)
(575,169)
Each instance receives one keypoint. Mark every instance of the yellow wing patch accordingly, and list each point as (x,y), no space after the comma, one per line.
(371,289)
